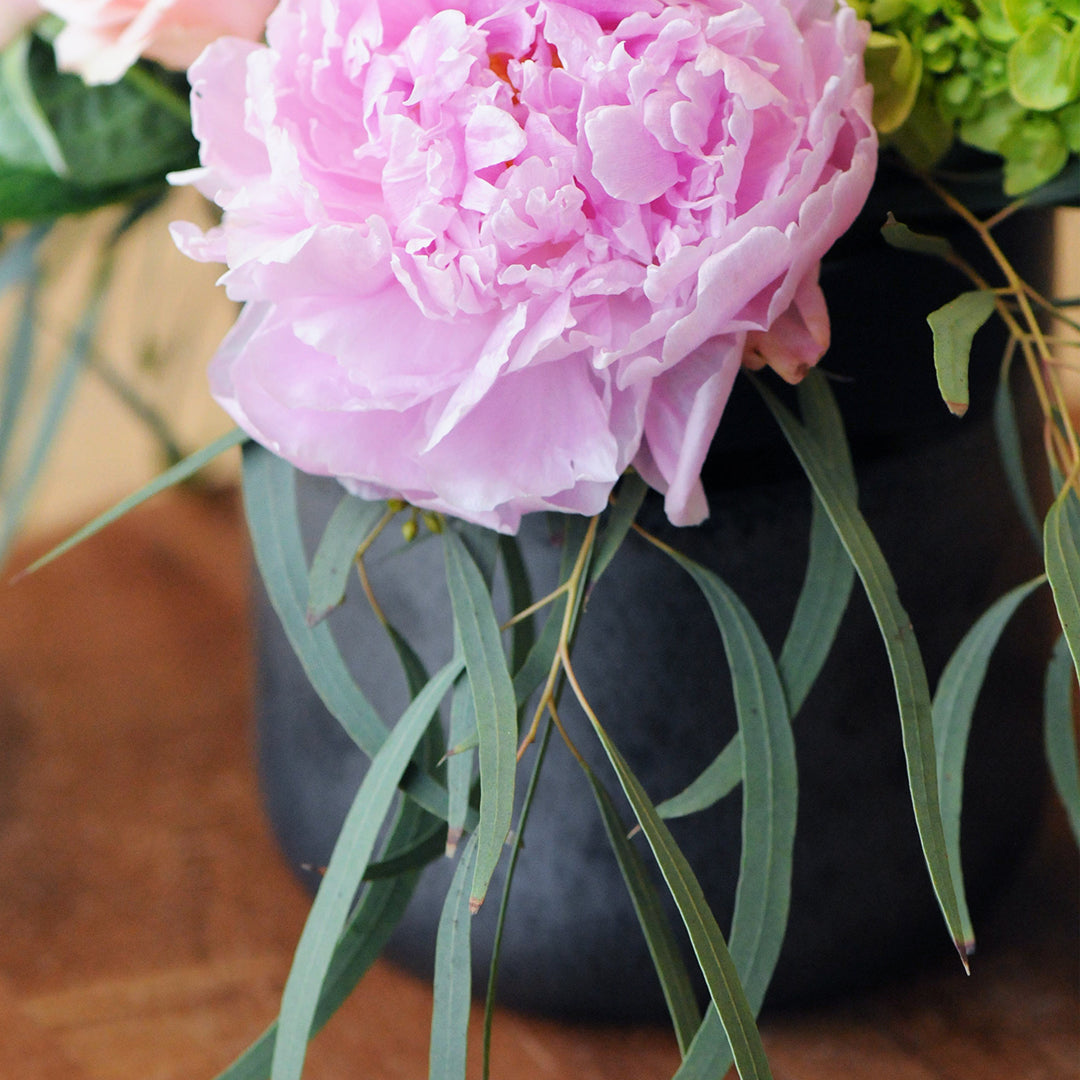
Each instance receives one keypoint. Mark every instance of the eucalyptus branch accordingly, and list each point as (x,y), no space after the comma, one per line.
(361,568)
(538,605)
(139,406)
(574,584)
(1060,435)
(1054,307)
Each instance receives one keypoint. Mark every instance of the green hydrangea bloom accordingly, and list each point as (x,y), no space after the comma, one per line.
(1002,76)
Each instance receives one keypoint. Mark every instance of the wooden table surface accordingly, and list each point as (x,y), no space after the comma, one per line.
(148,920)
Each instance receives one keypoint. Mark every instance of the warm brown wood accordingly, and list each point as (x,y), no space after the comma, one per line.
(147,918)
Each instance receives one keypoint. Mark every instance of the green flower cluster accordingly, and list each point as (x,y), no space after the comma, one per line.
(1002,76)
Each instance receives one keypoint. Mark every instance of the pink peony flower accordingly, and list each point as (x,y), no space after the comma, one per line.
(15,15)
(103,38)
(495,251)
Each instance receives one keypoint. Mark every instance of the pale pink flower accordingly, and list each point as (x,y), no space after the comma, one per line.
(101,39)
(495,251)
(16,15)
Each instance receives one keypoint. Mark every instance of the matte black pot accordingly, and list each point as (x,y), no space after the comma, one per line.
(651,663)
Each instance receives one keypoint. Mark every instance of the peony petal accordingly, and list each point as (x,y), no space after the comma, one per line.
(627,160)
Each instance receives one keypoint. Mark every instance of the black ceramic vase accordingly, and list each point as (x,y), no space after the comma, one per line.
(650,659)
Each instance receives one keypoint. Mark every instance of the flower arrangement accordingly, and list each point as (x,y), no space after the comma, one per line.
(497,259)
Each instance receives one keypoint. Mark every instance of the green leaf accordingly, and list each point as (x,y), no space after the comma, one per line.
(1035,152)
(424,849)
(663,948)
(523,632)
(19,267)
(483,548)
(629,496)
(898,235)
(953,706)
(351,524)
(1021,13)
(954,326)
(540,755)
(770,788)
(270,505)
(459,765)
(830,575)
(60,395)
(1011,452)
(721,977)
(905,660)
(453,975)
(180,472)
(715,782)
(413,667)
(821,604)
(118,141)
(1061,544)
(350,858)
(1041,66)
(1060,732)
(477,629)
(926,135)
(369,927)
(895,69)
(26,138)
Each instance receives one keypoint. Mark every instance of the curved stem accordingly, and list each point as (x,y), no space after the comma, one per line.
(573,587)
(1061,440)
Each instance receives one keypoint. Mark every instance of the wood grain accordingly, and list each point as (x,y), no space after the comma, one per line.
(148,918)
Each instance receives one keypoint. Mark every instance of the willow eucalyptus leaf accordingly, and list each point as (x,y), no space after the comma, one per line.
(770,788)
(905,659)
(899,236)
(537,664)
(629,496)
(953,706)
(1061,545)
(269,485)
(459,764)
(370,925)
(954,326)
(350,525)
(351,856)
(822,601)
(269,489)
(734,1011)
(523,632)
(1010,450)
(453,975)
(663,948)
(58,400)
(477,629)
(1060,732)
(19,267)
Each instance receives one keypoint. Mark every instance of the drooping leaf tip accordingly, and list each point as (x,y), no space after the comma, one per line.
(966,949)
(315,615)
(453,837)
(957,408)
